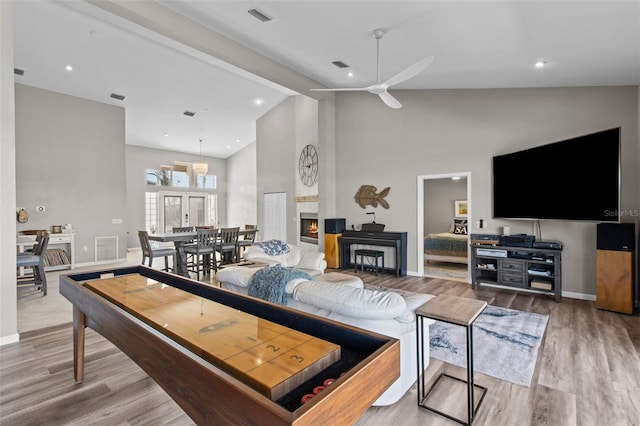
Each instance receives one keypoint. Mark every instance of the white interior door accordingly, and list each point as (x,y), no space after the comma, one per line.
(275,216)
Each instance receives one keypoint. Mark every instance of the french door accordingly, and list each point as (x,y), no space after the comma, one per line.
(177,209)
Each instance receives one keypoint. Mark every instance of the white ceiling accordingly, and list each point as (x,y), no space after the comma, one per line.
(476,44)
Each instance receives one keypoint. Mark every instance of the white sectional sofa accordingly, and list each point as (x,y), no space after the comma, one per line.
(343,298)
(309,261)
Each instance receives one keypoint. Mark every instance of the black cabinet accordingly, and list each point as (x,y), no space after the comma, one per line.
(531,269)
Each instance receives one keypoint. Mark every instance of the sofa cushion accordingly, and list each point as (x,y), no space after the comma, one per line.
(350,301)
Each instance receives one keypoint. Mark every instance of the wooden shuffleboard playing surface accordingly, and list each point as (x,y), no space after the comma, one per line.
(271,358)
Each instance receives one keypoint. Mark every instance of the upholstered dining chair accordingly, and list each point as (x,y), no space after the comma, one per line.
(203,252)
(35,261)
(149,251)
(228,246)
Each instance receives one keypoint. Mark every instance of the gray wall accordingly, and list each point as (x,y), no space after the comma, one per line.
(70,158)
(139,159)
(241,192)
(446,131)
(8,290)
(277,159)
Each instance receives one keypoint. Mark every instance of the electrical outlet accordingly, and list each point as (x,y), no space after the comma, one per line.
(85,249)
(116,221)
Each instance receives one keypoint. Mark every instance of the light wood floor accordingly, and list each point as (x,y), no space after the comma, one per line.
(587,373)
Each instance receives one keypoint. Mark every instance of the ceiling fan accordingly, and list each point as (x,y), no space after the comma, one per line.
(380,88)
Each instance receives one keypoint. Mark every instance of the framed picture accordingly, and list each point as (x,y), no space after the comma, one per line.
(461,208)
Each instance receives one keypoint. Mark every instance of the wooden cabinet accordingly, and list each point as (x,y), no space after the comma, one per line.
(614,280)
(531,269)
(332,250)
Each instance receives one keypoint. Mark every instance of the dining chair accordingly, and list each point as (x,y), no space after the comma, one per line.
(228,245)
(247,240)
(150,251)
(35,261)
(203,252)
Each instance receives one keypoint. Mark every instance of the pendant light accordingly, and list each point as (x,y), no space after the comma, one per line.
(201,168)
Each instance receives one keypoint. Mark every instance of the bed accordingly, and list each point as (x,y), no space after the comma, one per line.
(446,247)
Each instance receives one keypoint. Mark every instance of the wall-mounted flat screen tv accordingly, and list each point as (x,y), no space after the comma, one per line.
(575,179)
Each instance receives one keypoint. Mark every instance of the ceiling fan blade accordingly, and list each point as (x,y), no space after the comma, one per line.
(410,72)
(389,100)
(343,89)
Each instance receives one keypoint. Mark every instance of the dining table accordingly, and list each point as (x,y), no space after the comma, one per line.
(180,240)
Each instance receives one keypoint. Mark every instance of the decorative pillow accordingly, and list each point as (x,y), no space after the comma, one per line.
(350,301)
(273,247)
(460,226)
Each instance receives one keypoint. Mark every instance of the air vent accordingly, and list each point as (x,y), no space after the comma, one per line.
(340,64)
(118,97)
(189,113)
(18,71)
(259,15)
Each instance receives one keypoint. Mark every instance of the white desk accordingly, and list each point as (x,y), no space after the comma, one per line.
(64,241)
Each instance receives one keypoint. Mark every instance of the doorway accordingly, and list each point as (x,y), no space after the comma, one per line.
(435,214)
(275,216)
(178,209)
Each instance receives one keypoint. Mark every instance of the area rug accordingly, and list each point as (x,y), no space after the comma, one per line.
(445,270)
(505,343)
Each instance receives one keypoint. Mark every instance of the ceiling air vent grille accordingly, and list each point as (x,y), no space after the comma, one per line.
(118,97)
(18,71)
(340,64)
(189,113)
(259,15)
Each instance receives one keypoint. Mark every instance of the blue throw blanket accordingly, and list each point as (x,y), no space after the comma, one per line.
(269,283)
(273,247)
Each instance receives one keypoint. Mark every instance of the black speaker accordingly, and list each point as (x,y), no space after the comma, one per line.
(334,226)
(616,236)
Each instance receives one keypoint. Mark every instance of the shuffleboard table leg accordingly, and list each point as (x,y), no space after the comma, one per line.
(79,321)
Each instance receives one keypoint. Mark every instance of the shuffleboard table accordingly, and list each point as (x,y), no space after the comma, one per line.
(227,358)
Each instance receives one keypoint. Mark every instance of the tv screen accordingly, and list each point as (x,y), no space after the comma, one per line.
(575,179)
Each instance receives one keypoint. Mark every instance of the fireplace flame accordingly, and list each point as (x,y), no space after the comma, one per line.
(312,229)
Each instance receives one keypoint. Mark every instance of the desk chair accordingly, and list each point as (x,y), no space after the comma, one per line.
(35,261)
(228,247)
(149,251)
(203,252)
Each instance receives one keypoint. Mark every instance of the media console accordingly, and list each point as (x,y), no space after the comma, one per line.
(532,269)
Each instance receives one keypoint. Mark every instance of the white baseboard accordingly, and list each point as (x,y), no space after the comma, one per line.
(103,262)
(13,338)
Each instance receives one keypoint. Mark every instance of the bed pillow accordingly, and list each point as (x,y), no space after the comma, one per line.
(460,226)
(350,301)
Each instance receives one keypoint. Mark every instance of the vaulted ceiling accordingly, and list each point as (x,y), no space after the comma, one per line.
(475,44)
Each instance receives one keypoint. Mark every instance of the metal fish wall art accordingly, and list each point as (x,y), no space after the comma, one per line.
(367,196)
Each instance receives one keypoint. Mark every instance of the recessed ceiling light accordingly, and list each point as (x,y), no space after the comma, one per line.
(350,74)
(237,140)
(68,68)
(166,134)
(258,101)
(540,64)
(228,146)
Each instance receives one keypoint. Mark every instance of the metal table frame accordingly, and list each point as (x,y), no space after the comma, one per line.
(423,395)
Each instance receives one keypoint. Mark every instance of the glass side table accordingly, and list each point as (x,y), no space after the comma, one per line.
(454,310)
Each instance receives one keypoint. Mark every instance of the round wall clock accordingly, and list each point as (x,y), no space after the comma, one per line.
(308,165)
